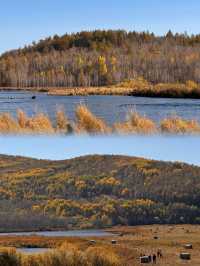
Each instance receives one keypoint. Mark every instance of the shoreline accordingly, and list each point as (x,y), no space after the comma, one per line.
(111,91)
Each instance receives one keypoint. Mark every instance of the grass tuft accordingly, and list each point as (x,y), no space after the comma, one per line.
(89,123)
(136,124)
(66,255)
(176,125)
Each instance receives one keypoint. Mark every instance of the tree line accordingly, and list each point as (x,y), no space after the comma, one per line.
(101,58)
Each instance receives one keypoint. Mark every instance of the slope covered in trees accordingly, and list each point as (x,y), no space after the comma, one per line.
(102,58)
(96,191)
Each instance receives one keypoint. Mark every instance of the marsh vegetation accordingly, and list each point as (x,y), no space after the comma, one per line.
(87,123)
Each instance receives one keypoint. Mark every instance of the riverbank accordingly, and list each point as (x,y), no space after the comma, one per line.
(137,88)
(127,245)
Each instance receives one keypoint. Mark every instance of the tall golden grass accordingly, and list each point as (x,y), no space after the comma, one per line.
(63,124)
(136,124)
(87,123)
(176,125)
(66,255)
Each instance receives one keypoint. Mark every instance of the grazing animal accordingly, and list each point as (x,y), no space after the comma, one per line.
(154,258)
(159,253)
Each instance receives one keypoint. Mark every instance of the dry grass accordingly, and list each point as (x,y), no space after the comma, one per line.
(90,91)
(135,87)
(136,124)
(66,255)
(39,124)
(176,125)
(8,125)
(63,125)
(131,242)
(87,123)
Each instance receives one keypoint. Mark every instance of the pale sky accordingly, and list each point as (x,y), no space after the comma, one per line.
(22,21)
(177,148)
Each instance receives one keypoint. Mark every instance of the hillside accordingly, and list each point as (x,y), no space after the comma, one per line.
(96,191)
(100,58)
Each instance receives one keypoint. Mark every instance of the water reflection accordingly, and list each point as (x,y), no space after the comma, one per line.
(110,108)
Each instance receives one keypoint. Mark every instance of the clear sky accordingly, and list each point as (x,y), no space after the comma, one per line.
(184,149)
(22,21)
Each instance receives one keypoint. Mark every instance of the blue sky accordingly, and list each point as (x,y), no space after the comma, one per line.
(22,21)
(184,149)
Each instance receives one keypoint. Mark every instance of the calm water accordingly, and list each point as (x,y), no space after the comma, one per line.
(33,250)
(70,233)
(111,108)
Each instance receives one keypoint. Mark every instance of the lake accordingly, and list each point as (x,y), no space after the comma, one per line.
(70,233)
(33,250)
(110,108)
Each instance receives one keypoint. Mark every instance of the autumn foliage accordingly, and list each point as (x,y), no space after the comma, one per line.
(95,192)
(104,58)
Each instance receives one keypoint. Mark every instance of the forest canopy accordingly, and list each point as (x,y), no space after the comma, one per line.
(99,58)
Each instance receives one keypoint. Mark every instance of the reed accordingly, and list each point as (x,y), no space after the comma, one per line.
(176,125)
(66,255)
(63,125)
(100,256)
(86,122)
(136,124)
(8,125)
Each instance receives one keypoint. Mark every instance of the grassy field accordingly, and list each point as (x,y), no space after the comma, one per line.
(130,243)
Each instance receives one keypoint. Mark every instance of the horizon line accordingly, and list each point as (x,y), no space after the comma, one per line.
(157,35)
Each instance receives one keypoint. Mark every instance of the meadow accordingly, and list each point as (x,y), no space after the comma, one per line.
(128,245)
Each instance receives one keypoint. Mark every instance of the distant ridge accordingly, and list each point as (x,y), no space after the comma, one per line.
(102,58)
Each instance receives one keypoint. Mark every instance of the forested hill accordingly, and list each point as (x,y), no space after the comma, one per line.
(141,178)
(100,58)
(96,191)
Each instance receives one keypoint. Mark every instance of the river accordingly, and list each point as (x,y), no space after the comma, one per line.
(110,108)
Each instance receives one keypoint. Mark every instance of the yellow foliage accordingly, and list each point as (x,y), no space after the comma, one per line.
(88,123)
(191,84)
(102,65)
